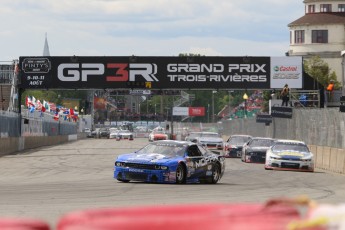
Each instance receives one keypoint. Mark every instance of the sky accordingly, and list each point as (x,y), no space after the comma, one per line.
(146,27)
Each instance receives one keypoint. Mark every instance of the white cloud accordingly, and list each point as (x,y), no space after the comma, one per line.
(147,27)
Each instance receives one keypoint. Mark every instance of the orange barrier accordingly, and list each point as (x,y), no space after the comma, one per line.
(184,217)
(22,224)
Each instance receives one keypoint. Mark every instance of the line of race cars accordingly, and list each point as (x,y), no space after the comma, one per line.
(200,158)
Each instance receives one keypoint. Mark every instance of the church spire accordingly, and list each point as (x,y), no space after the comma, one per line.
(46,47)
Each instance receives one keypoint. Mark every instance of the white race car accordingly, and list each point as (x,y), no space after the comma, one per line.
(289,155)
(157,134)
(211,140)
(124,134)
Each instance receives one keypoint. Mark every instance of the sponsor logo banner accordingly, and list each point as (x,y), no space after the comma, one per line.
(286,70)
(263,118)
(189,111)
(283,112)
(196,111)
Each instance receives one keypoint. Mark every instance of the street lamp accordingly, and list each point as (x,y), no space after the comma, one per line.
(230,91)
(208,113)
(245,98)
(213,92)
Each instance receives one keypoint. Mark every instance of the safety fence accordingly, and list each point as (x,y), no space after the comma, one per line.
(33,124)
(321,127)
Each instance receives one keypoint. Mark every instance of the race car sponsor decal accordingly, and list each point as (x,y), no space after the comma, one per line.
(296,154)
(204,161)
(135,170)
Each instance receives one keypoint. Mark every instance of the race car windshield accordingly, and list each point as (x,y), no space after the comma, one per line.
(125,131)
(261,143)
(192,135)
(290,147)
(210,135)
(238,140)
(167,150)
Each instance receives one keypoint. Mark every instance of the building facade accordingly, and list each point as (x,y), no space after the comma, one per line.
(320,32)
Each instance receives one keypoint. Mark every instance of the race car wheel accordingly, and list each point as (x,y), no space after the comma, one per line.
(215,174)
(180,174)
(125,181)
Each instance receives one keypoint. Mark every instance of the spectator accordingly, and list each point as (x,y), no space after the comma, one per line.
(285,95)
(330,90)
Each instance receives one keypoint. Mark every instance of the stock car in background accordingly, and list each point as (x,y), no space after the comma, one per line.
(193,136)
(170,161)
(103,132)
(210,140)
(234,144)
(289,155)
(254,151)
(158,133)
(124,134)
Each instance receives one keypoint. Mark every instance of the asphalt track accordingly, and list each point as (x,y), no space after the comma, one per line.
(48,182)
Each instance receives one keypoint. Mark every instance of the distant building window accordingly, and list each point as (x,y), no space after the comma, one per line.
(326,8)
(319,36)
(311,9)
(299,36)
(341,8)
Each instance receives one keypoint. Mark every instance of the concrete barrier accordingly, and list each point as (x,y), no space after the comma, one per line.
(319,159)
(12,145)
(333,160)
(326,157)
(340,166)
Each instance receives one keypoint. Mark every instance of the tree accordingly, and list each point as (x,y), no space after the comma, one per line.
(320,71)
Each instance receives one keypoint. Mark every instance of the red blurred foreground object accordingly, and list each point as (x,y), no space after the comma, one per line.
(22,224)
(184,217)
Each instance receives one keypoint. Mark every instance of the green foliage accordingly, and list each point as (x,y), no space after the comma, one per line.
(320,71)
(266,97)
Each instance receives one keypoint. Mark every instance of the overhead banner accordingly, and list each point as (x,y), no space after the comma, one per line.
(101,72)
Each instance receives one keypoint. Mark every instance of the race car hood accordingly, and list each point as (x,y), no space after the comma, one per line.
(292,154)
(145,158)
(259,149)
(159,134)
(210,139)
(125,134)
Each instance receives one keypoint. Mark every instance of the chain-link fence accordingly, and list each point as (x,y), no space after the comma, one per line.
(34,124)
(322,127)
(9,124)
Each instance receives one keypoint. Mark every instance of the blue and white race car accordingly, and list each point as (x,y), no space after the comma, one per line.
(170,161)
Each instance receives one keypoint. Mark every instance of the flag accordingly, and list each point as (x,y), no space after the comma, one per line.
(32,109)
(46,105)
(27,101)
(56,116)
(52,106)
(33,100)
(38,105)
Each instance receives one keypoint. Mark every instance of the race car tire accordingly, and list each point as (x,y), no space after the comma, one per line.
(215,174)
(268,168)
(180,174)
(124,181)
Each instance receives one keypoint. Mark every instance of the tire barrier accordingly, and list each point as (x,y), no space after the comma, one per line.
(183,217)
(22,224)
